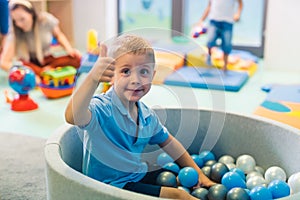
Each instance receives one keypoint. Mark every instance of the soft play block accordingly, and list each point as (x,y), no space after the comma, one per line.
(282,104)
(208,78)
(166,64)
(87,62)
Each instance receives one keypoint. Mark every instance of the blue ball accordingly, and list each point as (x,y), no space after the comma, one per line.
(163,159)
(233,179)
(239,171)
(206,156)
(198,160)
(279,189)
(188,177)
(260,193)
(172,167)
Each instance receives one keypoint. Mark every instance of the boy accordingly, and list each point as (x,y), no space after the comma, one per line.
(222,18)
(118,125)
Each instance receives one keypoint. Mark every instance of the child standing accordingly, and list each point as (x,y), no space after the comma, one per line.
(222,17)
(119,126)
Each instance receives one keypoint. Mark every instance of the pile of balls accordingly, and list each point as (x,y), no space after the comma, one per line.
(237,179)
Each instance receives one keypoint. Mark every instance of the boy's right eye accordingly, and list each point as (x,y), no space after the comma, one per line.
(125,71)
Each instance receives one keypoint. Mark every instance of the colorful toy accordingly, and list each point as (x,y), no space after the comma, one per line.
(58,82)
(198,31)
(22,80)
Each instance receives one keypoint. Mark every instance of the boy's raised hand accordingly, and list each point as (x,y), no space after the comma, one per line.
(103,69)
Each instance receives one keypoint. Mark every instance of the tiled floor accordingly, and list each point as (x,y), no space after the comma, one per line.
(50,114)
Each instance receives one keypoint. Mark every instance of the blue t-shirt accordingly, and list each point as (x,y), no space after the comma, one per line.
(112,152)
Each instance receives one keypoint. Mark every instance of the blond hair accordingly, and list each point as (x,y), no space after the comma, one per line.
(131,44)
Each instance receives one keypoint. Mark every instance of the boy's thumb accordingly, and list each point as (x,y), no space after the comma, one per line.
(103,50)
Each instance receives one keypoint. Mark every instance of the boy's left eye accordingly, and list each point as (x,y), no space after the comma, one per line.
(144,71)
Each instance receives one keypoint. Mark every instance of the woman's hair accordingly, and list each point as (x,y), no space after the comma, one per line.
(21,47)
(131,44)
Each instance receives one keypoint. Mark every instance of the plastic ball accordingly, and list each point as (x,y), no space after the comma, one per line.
(279,189)
(259,169)
(260,193)
(210,163)
(275,173)
(252,174)
(231,165)
(184,189)
(188,177)
(217,192)
(217,172)
(255,181)
(237,194)
(207,155)
(294,183)
(246,163)
(172,167)
(166,179)
(200,193)
(206,170)
(226,159)
(197,160)
(163,159)
(21,79)
(232,180)
(239,171)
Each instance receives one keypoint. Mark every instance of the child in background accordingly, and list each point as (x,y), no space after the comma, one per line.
(31,38)
(118,125)
(222,17)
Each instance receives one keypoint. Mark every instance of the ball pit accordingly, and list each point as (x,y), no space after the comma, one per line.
(270,143)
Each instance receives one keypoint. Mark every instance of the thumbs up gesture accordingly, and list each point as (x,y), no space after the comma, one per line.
(103,69)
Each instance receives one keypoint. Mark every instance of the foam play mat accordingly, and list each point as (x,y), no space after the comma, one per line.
(282,104)
(207,78)
(166,64)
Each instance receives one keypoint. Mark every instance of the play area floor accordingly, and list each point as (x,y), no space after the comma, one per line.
(50,114)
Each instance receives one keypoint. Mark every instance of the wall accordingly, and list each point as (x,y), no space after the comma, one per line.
(100,15)
(282,45)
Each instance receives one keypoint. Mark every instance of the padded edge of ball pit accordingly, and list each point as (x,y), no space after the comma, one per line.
(63,155)
(270,143)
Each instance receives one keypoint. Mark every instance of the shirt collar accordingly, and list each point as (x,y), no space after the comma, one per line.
(143,111)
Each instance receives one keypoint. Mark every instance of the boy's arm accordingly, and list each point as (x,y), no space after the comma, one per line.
(176,150)
(237,15)
(77,111)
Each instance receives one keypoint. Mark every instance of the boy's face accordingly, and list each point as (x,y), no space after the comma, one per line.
(133,76)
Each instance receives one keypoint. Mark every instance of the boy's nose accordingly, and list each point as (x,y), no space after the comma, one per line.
(135,78)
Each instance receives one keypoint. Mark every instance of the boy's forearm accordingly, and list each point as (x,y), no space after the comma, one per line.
(77,111)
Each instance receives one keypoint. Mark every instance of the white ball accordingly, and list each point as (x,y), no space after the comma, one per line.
(294,183)
(255,181)
(252,174)
(246,163)
(226,159)
(275,173)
